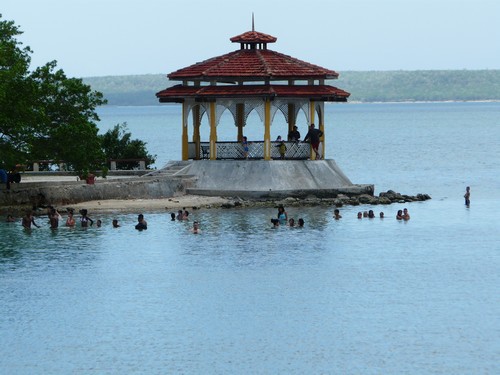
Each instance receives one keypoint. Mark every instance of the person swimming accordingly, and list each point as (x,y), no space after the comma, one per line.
(141,223)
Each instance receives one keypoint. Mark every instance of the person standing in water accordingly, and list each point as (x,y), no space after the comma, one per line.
(54,218)
(467,196)
(84,219)
(282,215)
(70,220)
(142,224)
(28,220)
(196,228)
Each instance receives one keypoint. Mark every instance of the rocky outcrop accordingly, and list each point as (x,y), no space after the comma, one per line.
(340,200)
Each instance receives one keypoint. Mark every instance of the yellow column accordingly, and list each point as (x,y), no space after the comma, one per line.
(267,130)
(312,112)
(322,128)
(213,133)
(196,130)
(185,151)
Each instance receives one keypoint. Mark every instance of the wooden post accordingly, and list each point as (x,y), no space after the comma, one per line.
(185,150)
(213,133)
(240,116)
(291,117)
(267,130)
(312,113)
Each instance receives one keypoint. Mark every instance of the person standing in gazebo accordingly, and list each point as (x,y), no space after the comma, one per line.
(313,135)
(294,135)
(244,143)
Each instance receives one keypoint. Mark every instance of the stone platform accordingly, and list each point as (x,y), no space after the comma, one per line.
(271,179)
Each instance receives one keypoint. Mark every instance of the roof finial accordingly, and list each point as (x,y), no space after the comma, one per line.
(253,27)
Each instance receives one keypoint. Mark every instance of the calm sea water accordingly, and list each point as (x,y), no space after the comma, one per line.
(350,296)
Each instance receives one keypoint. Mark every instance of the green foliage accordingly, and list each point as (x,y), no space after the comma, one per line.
(15,93)
(117,144)
(44,114)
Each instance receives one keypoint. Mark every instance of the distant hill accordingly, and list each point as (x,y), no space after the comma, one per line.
(364,86)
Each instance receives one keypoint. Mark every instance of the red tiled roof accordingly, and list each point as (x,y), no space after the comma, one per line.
(178,93)
(252,64)
(253,37)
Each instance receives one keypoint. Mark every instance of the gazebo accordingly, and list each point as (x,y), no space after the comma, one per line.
(252,78)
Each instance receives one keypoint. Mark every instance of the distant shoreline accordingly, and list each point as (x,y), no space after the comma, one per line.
(350,102)
(398,86)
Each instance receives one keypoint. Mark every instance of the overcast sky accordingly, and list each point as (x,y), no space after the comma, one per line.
(116,37)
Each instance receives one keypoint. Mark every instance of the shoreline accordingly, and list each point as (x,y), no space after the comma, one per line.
(148,205)
(128,206)
(196,202)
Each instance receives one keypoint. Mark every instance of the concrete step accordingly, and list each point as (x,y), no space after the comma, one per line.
(172,168)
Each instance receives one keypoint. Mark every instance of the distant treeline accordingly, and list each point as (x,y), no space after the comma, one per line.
(370,86)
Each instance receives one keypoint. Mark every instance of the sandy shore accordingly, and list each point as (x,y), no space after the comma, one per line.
(147,205)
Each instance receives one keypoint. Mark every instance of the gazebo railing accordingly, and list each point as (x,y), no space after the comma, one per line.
(234,150)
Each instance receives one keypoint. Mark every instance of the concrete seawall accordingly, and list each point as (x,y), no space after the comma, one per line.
(35,194)
(250,179)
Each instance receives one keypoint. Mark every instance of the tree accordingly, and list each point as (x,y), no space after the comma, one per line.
(43,113)
(117,144)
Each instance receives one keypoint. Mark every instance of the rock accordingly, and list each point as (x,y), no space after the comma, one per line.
(354,202)
(423,197)
(384,200)
(365,198)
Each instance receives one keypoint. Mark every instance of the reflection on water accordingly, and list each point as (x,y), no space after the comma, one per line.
(370,295)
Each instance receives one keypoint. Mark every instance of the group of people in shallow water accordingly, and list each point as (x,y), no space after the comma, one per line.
(282,219)
(54,219)
(401,214)
(85,221)
(183,215)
